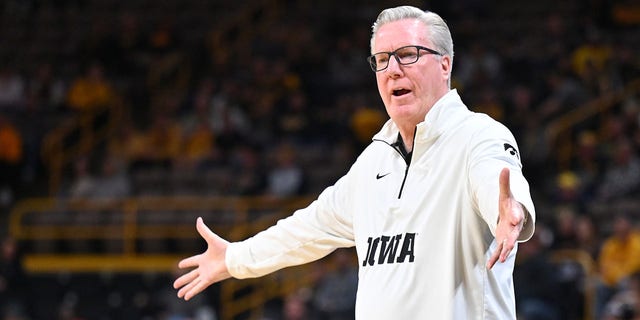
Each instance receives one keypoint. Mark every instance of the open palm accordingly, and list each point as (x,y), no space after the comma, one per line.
(209,266)
(510,221)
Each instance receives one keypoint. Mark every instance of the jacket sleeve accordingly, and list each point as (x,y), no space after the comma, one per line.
(307,235)
(493,149)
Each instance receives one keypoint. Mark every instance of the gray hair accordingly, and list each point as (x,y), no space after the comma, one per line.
(438,31)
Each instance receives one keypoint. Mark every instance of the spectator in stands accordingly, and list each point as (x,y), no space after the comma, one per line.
(129,142)
(613,128)
(167,68)
(564,228)
(163,141)
(11,159)
(365,122)
(46,90)
(91,90)
(587,165)
(113,181)
(198,145)
(618,259)
(262,114)
(335,292)
(229,121)
(199,148)
(336,121)
(519,104)
(108,187)
(625,62)
(296,306)
(294,121)
(529,129)
(535,280)
(83,181)
(480,65)
(587,236)
(630,114)
(285,177)
(625,304)
(622,177)
(12,89)
(592,57)
(344,64)
(488,101)
(163,37)
(565,93)
(248,172)
(44,109)
(567,188)
(574,229)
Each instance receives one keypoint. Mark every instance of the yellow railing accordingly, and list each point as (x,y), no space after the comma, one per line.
(130,222)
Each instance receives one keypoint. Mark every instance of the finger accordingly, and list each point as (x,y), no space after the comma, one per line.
(190,262)
(506,249)
(505,184)
(197,288)
(205,232)
(184,291)
(186,278)
(494,257)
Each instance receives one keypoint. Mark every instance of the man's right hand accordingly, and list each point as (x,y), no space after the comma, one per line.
(210,266)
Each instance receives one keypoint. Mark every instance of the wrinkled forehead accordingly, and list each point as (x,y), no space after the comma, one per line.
(400,33)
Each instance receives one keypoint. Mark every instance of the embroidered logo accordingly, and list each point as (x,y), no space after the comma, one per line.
(380,176)
(511,150)
(390,249)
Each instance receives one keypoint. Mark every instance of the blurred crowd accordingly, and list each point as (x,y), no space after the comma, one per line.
(275,98)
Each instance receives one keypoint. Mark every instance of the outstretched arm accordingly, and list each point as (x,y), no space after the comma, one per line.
(511,220)
(209,266)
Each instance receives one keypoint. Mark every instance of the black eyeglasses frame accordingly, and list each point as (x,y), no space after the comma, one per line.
(373,63)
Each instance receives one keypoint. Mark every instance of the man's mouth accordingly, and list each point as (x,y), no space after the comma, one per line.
(400,92)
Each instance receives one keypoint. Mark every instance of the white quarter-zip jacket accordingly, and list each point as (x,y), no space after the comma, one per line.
(423,229)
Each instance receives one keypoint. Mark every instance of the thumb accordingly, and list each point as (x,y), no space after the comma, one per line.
(505,184)
(205,232)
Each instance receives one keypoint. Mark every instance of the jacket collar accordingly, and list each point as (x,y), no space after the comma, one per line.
(438,120)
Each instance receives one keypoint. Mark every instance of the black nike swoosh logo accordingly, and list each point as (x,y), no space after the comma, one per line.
(379,176)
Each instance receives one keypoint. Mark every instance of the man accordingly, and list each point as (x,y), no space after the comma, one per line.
(618,260)
(431,205)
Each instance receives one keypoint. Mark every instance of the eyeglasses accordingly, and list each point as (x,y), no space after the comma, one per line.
(404,55)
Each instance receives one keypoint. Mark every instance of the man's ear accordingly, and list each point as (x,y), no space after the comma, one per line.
(445,65)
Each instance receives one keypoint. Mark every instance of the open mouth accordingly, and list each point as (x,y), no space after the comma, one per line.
(400,92)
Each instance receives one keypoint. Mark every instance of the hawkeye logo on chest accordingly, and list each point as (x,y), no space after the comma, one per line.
(390,249)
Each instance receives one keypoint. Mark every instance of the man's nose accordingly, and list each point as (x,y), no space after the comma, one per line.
(393,67)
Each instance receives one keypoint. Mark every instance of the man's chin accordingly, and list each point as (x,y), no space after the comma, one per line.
(404,113)
(402,108)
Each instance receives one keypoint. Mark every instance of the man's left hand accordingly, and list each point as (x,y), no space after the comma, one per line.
(510,221)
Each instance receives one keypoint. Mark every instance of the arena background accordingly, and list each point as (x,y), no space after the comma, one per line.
(122,121)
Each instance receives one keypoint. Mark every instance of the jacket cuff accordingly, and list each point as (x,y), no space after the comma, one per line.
(233,260)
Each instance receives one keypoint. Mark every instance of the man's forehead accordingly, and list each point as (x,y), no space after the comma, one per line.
(396,34)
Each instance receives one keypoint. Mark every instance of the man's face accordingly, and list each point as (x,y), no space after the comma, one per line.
(409,91)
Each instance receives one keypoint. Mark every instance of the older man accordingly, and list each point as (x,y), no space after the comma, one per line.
(432,205)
